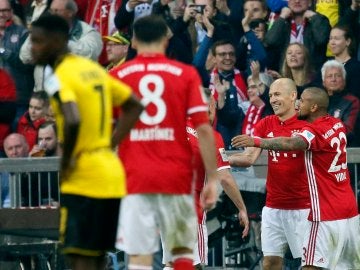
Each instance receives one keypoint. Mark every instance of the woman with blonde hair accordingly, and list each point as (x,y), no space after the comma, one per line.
(297,66)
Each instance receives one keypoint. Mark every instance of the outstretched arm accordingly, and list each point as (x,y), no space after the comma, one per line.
(284,143)
(208,155)
(280,143)
(246,158)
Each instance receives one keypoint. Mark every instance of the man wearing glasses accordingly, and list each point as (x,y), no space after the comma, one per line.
(117,46)
(229,90)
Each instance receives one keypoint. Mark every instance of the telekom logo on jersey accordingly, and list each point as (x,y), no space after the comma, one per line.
(285,154)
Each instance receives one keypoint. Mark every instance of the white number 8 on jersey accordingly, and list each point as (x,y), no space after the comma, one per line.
(154,97)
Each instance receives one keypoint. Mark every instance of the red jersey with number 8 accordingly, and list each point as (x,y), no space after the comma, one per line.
(156,154)
(332,197)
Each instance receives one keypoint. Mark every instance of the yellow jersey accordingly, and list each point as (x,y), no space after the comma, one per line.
(97,172)
(330,9)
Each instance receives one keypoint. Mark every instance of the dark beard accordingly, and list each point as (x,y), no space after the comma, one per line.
(301,117)
(50,152)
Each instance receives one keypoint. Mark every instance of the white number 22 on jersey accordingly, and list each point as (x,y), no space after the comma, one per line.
(153,96)
(336,141)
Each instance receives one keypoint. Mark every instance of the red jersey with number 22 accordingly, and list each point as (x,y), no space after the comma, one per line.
(286,184)
(332,197)
(156,154)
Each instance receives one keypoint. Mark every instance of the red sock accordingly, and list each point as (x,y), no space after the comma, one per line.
(183,264)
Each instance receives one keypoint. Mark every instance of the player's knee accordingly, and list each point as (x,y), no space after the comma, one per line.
(272,263)
(140,260)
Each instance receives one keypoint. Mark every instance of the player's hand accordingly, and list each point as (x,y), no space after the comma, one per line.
(244,221)
(208,196)
(242,141)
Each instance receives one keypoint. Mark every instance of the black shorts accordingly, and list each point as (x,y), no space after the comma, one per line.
(88,226)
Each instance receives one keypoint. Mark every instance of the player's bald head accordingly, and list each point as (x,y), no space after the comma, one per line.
(319,97)
(284,84)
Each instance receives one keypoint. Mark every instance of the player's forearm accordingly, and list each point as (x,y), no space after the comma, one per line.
(131,109)
(246,158)
(283,143)
(240,160)
(71,130)
(232,190)
(207,150)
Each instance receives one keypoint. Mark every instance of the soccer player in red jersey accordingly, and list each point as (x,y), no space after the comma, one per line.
(287,201)
(332,239)
(157,156)
(229,186)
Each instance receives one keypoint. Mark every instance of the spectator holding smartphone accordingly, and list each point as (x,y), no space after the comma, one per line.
(196,25)
(250,47)
(130,10)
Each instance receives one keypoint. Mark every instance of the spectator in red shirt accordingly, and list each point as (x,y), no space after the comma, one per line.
(30,122)
(7,106)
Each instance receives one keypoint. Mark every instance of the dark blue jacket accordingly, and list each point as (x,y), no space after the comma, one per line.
(23,75)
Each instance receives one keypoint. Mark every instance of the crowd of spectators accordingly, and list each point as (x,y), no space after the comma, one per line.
(238,47)
(291,39)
